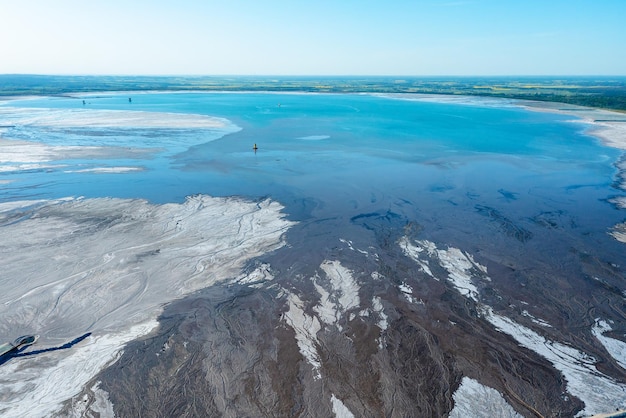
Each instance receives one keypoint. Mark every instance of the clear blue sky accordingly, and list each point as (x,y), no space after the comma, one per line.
(314,37)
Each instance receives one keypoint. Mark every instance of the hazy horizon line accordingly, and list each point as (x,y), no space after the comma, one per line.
(310,75)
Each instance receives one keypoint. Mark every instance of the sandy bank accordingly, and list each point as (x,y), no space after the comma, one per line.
(609,126)
(95,134)
(16,155)
(66,118)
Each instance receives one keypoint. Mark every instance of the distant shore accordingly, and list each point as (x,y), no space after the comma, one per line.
(609,126)
(606,92)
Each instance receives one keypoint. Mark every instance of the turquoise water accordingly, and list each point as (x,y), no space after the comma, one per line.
(342,156)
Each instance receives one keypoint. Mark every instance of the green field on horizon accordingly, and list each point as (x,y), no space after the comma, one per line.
(601,92)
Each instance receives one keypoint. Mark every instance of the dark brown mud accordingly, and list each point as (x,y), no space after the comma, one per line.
(228,351)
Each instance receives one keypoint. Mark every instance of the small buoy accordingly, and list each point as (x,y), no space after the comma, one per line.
(255,147)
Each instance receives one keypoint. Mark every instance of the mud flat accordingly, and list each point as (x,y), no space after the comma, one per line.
(103,269)
(599,392)
(391,327)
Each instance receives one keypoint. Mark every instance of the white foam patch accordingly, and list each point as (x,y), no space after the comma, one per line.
(536,320)
(327,310)
(26,167)
(414,252)
(339,409)
(107,266)
(17,152)
(107,170)
(620,201)
(377,306)
(102,405)
(66,118)
(599,392)
(615,347)
(306,328)
(619,232)
(459,269)
(383,320)
(406,288)
(407,291)
(351,246)
(473,399)
(459,265)
(454,99)
(314,137)
(343,293)
(343,284)
(26,156)
(261,274)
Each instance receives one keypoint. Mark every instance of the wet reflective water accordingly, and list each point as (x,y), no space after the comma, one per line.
(457,169)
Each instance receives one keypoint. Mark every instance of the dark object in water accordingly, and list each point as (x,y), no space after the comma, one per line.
(18,344)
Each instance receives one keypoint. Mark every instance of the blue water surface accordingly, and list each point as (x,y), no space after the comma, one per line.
(438,163)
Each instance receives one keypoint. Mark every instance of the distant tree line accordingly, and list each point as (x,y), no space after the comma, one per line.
(601,92)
